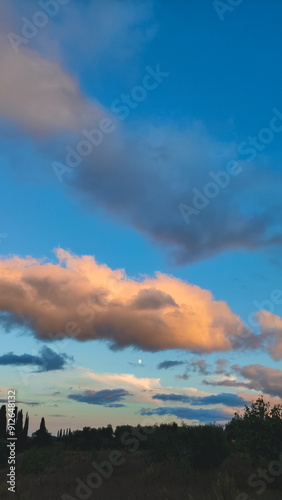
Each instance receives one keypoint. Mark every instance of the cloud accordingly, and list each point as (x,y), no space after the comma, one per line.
(226,399)
(185,375)
(200,366)
(130,381)
(273,400)
(79,298)
(221,366)
(37,93)
(152,299)
(165,166)
(107,397)
(98,32)
(271,332)
(190,414)
(40,98)
(168,364)
(95,33)
(28,403)
(48,360)
(259,378)
(57,415)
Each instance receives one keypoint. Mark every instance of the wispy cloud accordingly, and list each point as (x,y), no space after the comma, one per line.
(221,365)
(200,366)
(128,380)
(256,377)
(28,403)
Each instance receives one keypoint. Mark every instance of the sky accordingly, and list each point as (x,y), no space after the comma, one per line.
(140,237)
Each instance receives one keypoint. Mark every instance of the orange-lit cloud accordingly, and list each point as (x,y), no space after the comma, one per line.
(79,298)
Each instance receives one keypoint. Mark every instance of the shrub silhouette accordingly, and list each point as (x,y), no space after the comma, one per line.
(258,431)
(36,460)
(202,447)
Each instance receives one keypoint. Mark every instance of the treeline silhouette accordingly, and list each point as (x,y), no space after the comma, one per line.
(256,433)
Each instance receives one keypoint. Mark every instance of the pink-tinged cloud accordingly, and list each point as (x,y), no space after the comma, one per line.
(257,377)
(79,298)
(39,97)
(271,331)
(273,400)
(128,380)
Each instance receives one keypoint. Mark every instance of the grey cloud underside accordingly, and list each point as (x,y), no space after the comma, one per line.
(169,364)
(256,377)
(204,369)
(224,399)
(48,360)
(108,397)
(152,299)
(142,183)
(189,413)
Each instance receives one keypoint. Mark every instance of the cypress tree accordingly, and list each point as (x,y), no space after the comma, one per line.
(19,425)
(3,422)
(25,429)
(16,413)
(42,427)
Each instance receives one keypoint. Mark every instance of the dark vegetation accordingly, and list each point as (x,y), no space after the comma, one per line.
(168,461)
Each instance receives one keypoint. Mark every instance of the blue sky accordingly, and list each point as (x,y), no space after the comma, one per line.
(172,94)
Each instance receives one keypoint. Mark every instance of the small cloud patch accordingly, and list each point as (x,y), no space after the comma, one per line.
(107,397)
